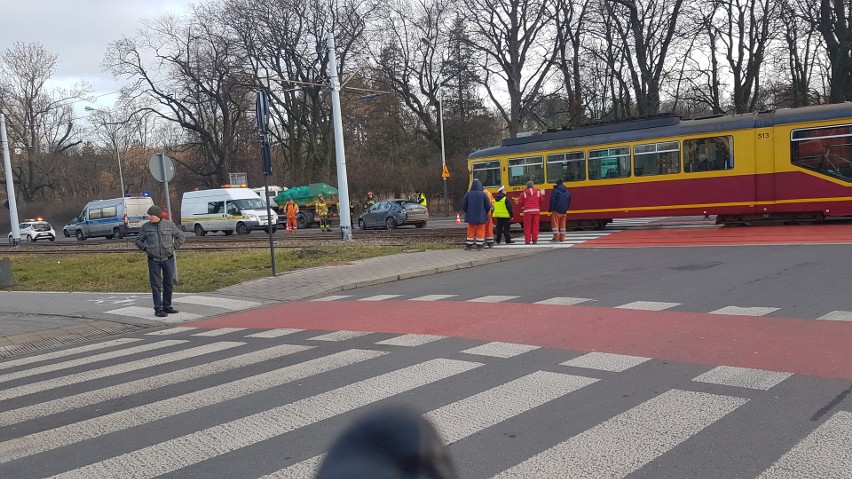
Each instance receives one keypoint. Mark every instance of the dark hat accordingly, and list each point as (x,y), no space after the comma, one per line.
(156,211)
(557,182)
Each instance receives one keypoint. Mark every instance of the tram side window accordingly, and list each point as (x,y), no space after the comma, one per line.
(487,172)
(825,150)
(566,167)
(708,154)
(609,163)
(656,159)
(526,169)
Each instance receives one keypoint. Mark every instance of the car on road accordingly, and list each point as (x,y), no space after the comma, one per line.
(70,228)
(33,230)
(393,213)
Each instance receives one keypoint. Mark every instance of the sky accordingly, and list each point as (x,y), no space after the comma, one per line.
(78,32)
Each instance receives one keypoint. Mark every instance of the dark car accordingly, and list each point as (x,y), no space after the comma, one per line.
(70,228)
(392,213)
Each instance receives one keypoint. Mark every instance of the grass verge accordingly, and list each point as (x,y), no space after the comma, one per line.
(198,271)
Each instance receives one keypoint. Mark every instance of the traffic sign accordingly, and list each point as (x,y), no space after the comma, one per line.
(445,173)
(155,164)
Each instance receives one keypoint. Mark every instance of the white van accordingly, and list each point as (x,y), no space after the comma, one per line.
(113,218)
(226,210)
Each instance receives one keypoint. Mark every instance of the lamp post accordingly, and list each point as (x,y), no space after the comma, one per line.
(114,144)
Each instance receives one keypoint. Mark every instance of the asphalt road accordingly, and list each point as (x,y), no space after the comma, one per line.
(706,362)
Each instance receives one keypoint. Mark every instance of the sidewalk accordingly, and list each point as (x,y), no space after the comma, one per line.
(27,333)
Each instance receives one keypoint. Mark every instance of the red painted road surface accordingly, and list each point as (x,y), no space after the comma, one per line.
(724,236)
(812,347)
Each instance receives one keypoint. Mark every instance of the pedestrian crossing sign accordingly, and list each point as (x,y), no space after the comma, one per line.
(445,173)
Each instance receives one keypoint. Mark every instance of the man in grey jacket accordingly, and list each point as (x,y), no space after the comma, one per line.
(159,239)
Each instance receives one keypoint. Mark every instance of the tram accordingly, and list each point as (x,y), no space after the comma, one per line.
(789,165)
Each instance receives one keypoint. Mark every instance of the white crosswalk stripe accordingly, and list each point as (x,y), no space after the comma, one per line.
(630,440)
(471,393)
(13,363)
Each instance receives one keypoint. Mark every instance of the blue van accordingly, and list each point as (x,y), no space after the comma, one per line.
(114,218)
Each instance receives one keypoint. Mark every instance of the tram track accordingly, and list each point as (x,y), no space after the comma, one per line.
(247,242)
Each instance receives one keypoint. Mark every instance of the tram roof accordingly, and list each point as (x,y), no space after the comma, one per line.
(663,126)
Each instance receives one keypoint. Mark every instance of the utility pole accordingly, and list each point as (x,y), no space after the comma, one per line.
(10,185)
(339,153)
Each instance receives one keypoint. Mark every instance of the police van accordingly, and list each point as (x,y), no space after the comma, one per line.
(115,218)
(226,210)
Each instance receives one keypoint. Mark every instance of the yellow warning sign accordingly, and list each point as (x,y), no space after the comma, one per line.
(445,173)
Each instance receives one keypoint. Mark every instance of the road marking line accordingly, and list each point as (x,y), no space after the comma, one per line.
(648,305)
(743,377)
(468,416)
(605,361)
(148,313)
(501,350)
(334,297)
(116,391)
(736,310)
(274,333)
(823,453)
(120,420)
(491,299)
(66,352)
(224,303)
(837,316)
(181,452)
(219,332)
(340,336)
(473,414)
(49,368)
(166,332)
(565,301)
(411,340)
(433,297)
(379,297)
(108,371)
(628,441)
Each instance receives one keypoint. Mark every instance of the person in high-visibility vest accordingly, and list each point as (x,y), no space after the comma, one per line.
(292,211)
(503,215)
(322,213)
(531,201)
(421,198)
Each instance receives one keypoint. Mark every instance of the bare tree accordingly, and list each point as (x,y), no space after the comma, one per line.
(198,82)
(515,41)
(646,30)
(570,32)
(286,51)
(40,120)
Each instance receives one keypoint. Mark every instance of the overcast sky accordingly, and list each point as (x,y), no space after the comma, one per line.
(78,32)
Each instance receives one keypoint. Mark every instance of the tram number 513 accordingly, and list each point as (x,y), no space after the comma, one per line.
(763,136)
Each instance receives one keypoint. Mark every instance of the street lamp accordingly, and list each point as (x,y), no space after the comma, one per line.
(114,144)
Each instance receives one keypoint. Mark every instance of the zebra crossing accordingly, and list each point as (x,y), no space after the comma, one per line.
(545,238)
(640,305)
(267,402)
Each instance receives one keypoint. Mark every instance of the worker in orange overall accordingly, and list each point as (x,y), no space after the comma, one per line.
(292,211)
(489,227)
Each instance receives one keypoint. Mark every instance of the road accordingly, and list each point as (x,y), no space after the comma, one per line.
(598,360)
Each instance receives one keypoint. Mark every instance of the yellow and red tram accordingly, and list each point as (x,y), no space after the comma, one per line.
(784,165)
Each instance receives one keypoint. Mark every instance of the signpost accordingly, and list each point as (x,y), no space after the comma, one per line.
(163,170)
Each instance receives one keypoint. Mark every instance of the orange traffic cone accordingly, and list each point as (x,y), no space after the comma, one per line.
(458,219)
